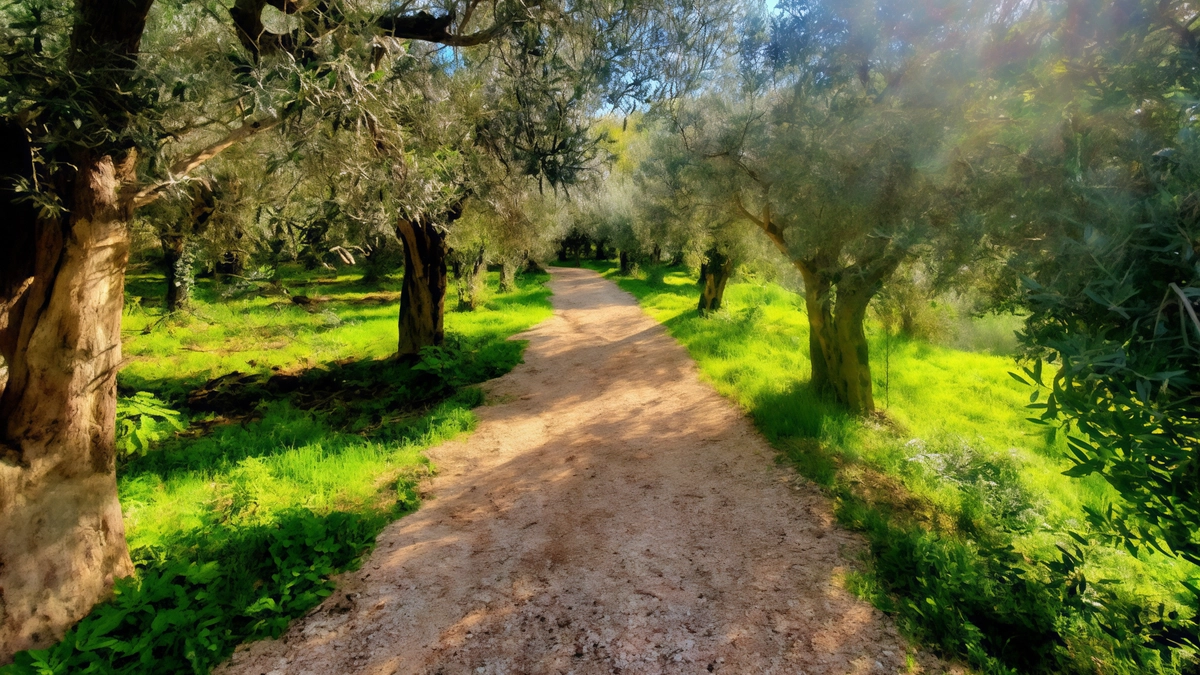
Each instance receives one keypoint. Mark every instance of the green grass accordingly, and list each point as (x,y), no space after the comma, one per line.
(962,499)
(251,332)
(284,478)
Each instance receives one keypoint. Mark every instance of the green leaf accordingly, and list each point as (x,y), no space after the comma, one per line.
(1084,469)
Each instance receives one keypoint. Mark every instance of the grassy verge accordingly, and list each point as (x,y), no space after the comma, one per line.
(292,462)
(961,499)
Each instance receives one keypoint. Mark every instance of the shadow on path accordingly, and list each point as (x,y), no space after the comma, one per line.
(611,513)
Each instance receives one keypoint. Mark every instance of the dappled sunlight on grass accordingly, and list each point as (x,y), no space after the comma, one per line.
(248,473)
(289,471)
(952,454)
(283,456)
(249,332)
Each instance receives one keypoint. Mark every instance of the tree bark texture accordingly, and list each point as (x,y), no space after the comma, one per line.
(837,342)
(423,291)
(62,539)
(714,274)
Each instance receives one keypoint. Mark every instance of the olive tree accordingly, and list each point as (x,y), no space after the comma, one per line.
(836,141)
(86,139)
(680,199)
(1091,157)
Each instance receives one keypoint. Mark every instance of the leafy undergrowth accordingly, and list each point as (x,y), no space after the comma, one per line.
(287,472)
(972,526)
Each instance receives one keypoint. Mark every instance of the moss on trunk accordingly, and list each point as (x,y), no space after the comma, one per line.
(714,275)
(837,342)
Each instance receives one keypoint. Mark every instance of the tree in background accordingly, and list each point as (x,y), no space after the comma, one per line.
(177,221)
(835,142)
(698,221)
(514,223)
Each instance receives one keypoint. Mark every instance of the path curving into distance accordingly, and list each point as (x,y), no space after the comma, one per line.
(611,514)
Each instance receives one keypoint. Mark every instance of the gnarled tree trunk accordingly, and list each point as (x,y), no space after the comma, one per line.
(626,262)
(62,539)
(714,274)
(836,298)
(423,291)
(837,341)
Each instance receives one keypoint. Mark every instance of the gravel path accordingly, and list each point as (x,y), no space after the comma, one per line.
(611,514)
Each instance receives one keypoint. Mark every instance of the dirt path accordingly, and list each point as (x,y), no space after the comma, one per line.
(612,513)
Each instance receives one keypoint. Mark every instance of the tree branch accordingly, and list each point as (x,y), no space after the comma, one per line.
(188,164)
(426,27)
(868,275)
(775,233)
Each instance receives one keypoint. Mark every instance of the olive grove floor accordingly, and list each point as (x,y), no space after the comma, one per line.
(611,513)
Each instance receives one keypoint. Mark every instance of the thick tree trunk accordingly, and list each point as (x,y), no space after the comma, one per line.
(423,292)
(851,366)
(714,274)
(817,303)
(837,343)
(172,248)
(62,539)
(626,264)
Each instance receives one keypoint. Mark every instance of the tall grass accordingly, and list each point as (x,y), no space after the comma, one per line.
(962,499)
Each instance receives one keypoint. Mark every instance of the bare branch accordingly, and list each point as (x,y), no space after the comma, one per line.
(765,223)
